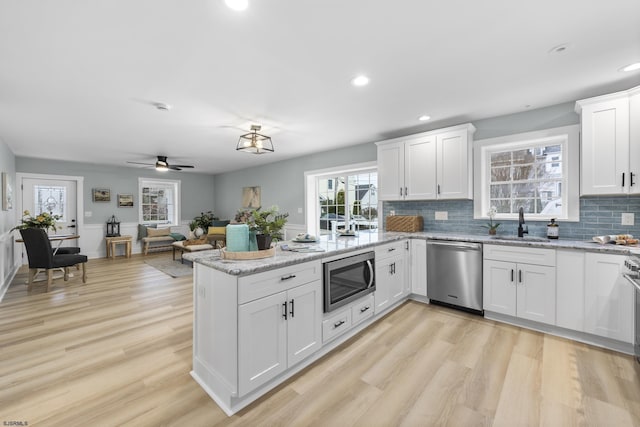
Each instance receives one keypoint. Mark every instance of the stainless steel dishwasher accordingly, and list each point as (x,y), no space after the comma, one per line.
(454,274)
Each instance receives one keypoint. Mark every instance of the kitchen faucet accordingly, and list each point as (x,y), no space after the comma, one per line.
(521,230)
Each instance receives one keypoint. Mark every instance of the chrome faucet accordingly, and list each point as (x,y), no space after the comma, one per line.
(521,230)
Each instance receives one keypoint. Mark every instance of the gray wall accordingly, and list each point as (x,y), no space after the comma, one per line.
(283,182)
(197,189)
(7,164)
(7,221)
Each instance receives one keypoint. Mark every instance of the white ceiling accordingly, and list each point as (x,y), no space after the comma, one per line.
(78,78)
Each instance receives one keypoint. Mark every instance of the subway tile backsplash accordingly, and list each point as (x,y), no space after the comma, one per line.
(598,215)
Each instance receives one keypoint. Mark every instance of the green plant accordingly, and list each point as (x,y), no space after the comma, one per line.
(269,222)
(204,220)
(491,214)
(44,220)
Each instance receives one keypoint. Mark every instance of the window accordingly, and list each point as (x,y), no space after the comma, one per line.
(51,199)
(537,171)
(159,201)
(344,197)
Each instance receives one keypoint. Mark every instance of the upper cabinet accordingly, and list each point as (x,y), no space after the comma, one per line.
(427,166)
(610,155)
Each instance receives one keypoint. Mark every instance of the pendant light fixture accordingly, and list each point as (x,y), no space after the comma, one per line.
(255,143)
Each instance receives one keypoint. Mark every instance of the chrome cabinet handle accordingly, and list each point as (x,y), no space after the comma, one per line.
(291,276)
(338,324)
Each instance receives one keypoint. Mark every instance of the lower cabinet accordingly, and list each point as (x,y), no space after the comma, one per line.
(518,289)
(390,275)
(608,298)
(276,332)
(419,267)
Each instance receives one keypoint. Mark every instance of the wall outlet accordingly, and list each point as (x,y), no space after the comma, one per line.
(87,214)
(299,210)
(628,219)
(442,216)
(392,212)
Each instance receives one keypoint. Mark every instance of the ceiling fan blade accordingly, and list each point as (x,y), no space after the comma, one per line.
(183,166)
(174,168)
(139,163)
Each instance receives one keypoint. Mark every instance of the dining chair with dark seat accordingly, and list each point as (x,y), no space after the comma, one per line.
(40,255)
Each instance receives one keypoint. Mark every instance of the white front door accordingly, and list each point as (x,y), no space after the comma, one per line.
(57,197)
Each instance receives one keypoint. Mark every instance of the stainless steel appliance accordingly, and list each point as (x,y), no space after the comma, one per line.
(454,274)
(632,274)
(348,279)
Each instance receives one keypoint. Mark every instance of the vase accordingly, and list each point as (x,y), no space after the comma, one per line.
(264,241)
(198,232)
(492,232)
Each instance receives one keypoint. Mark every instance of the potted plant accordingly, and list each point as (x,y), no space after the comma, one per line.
(44,220)
(201,223)
(493,228)
(268,224)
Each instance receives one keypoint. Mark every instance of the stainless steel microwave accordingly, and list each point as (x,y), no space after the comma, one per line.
(348,279)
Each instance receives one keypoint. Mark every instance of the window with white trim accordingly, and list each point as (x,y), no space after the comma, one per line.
(159,201)
(537,171)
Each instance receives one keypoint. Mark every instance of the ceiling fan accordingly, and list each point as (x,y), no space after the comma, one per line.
(162,165)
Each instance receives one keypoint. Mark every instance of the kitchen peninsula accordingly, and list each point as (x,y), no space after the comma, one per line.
(249,336)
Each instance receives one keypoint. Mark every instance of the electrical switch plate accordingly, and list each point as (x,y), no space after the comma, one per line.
(628,219)
(88,214)
(299,210)
(442,216)
(392,213)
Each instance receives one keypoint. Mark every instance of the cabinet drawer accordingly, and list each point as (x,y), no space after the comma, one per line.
(519,254)
(336,325)
(391,249)
(362,310)
(270,282)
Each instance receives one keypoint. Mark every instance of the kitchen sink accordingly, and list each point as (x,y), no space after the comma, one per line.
(521,239)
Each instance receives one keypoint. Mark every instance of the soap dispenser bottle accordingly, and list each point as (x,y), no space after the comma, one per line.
(553,231)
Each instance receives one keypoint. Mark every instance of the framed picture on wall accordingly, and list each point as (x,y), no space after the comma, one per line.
(7,192)
(251,197)
(101,194)
(125,200)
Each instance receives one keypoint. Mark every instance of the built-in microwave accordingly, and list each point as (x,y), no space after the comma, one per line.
(348,279)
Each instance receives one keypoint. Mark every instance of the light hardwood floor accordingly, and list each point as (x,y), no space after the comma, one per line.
(117,351)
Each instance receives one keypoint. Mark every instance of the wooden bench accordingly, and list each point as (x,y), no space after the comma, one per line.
(179,246)
(159,243)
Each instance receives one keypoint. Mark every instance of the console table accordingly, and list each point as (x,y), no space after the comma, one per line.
(112,242)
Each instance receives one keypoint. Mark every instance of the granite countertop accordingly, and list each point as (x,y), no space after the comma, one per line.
(332,245)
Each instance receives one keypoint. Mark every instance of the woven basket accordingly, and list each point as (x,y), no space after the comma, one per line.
(404,223)
(247,255)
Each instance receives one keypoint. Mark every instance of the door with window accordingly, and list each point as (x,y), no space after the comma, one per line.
(56,197)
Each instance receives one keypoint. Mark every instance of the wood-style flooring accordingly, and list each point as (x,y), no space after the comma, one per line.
(117,351)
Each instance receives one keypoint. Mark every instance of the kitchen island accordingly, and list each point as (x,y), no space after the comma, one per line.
(248,339)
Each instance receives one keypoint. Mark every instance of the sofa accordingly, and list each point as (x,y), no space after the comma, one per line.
(157,239)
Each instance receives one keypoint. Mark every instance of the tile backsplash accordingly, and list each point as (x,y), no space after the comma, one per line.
(598,216)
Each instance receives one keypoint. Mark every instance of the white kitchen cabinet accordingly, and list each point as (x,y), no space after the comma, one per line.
(276,332)
(608,298)
(390,274)
(517,288)
(609,162)
(431,165)
(419,267)
(570,266)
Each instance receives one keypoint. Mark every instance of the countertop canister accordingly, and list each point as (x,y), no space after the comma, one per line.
(237,238)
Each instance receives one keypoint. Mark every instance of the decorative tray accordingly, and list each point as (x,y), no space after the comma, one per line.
(247,255)
(304,240)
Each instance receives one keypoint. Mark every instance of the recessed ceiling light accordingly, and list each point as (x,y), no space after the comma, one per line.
(561,48)
(631,67)
(424,118)
(238,5)
(360,81)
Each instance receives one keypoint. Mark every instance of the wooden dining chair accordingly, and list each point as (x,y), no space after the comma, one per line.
(40,255)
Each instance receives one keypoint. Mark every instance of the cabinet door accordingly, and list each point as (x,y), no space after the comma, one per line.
(382,295)
(397,288)
(536,293)
(419,267)
(570,289)
(605,147)
(608,298)
(499,287)
(262,343)
(453,167)
(391,171)
(634,142)
(304,327)
(420,169)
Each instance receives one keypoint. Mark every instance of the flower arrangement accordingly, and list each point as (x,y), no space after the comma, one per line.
(44,220)
(491,226)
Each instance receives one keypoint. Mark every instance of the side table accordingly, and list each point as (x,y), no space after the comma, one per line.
(112,242)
